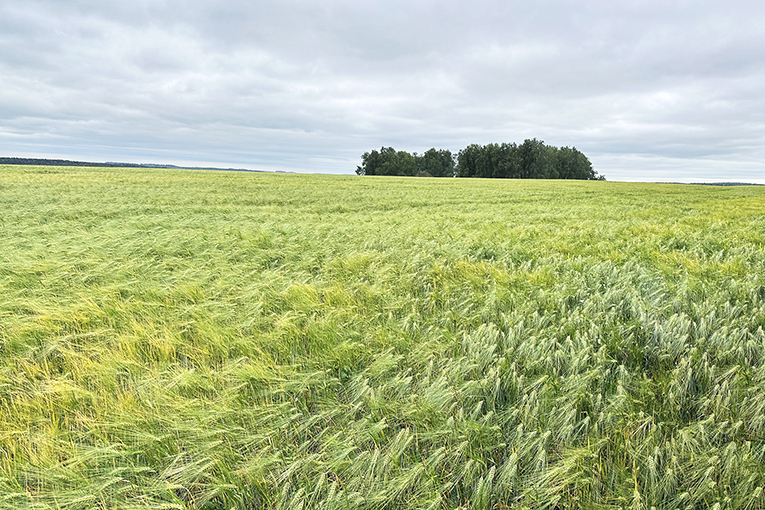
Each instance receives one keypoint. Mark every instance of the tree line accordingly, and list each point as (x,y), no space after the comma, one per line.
(111,164)
(66,162)
(530,160)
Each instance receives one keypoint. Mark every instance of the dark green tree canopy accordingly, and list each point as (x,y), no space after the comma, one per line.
(435,163)
(388,161)
(530,160)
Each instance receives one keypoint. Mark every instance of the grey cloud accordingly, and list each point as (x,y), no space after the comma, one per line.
(310,85)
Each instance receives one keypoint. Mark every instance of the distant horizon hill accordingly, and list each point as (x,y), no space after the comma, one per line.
(110,164)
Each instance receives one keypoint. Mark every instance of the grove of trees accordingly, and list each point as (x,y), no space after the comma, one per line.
(389,161)
(530,160)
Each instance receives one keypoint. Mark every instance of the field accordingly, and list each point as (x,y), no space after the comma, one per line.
(226,340)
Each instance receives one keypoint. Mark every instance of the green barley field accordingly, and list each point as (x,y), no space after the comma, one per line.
(177,339)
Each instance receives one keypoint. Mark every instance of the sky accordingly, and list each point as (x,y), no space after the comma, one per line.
(649,90)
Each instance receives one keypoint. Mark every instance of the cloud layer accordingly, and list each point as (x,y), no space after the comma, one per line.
(648,90)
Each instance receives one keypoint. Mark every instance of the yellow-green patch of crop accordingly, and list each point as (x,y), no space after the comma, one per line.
(197,339)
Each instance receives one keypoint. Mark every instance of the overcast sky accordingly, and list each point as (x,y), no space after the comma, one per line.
(649,90)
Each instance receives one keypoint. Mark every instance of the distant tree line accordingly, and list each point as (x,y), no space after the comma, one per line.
(66,162)
(109,164)
(530,160)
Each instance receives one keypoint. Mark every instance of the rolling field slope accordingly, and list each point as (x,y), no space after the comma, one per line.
(225,340)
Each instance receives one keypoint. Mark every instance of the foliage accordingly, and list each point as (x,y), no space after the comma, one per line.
(436,163)
(388,161)
(208,340)
(530,160)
